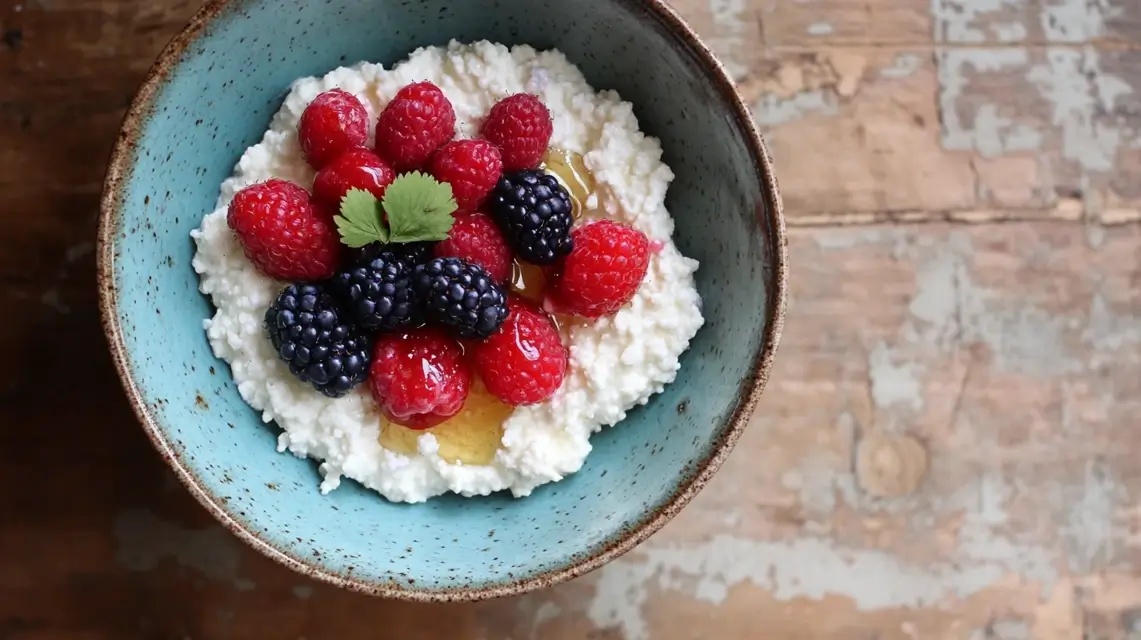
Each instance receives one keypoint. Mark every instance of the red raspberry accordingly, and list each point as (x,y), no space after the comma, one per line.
(417,121)
(521,127)
(475,238)
(419,378)
(603,271)
(283,233)
(472,167)
(354,169)
(334,122)
(525,362)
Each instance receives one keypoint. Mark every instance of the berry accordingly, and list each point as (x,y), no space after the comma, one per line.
(603,272)
(460,296)
(377,295)
(283,233)
(471,167)
(333,123)
(474,238)
(309,333)
(419,378)
(520,125)
(414,124)
(534,212)
(413,253)
(526,362)
(353,169)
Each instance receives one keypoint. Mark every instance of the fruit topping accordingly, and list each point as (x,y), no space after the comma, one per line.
(282,233)
(415,208)
(377,295)
(460,296)
(310,335)
(333,123)
(419,378)
(413,253)
(534,212)
(525,362)
(520,125)
(475,239)
(413,125)
(353,169)
(472,167)
(603,272)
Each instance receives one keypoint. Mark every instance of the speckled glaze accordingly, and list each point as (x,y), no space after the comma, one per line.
(211,94)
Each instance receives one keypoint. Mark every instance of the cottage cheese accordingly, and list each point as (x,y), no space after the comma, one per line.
(615,363)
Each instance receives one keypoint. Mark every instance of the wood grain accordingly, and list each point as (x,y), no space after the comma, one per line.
(993,320)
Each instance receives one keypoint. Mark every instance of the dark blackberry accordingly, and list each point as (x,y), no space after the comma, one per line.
(413,253)
(377,295)
(534,212)
(307,329)
(460,296)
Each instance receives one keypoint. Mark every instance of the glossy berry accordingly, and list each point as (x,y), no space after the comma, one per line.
(460,296)
(525,362)
(520,125)
(333,123)
(377,295)
(419,378)
(471,167)
(283,233)
(412,253)
(414,124)
(534,212)
(309,334)
(353,169)
(603,272)
(474,238)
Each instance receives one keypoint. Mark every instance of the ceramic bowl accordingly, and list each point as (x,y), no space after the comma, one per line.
(212,93)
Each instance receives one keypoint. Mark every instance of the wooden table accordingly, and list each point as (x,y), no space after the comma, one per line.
(949,445)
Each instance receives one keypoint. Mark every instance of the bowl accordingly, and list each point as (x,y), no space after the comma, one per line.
(212,93)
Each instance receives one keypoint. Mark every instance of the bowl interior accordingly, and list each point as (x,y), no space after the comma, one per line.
(218,99)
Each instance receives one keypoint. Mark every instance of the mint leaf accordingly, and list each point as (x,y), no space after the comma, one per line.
(419,208)
(361,222)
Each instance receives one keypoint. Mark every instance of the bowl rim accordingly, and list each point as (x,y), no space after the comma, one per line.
(119,171)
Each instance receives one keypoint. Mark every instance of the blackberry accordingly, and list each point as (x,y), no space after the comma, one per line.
(460,296)
(307,329)
(377,295)
(413,253)
(534,212)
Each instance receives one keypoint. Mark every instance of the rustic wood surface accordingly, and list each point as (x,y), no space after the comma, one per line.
(948,447)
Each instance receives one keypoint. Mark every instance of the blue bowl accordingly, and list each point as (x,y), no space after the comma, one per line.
(212,93)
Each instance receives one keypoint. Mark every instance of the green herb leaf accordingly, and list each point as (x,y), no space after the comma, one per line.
(419,208)
(361,221)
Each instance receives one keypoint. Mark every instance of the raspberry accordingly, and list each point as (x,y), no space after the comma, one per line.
(520,125)
(353,169)
(525,362)
(419,378)
(333,123)
(460,296)
(310,334)
(474,238)
(471,167)
(283,233)
(603,271)
(534,212)
(417,121)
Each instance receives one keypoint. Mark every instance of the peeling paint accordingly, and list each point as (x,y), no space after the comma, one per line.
(904,65)
(820,29)
(801,568)
(772,111)
(731,39)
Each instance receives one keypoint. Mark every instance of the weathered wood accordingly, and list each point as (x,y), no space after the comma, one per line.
(947,448)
